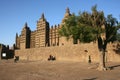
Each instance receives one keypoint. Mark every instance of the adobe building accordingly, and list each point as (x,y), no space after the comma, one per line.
(5,52)
(45,41)
(43,36)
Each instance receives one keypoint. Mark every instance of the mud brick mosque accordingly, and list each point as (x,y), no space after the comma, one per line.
(43,36)
(45,40)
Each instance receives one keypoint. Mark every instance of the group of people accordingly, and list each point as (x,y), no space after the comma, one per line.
(51,58)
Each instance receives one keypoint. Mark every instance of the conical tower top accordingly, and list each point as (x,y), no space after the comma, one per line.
(42,16)
(67,10)
(67,14)
(25,26)
(16,35)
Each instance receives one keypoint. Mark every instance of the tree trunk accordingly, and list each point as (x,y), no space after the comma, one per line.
(102,66)
(102,48)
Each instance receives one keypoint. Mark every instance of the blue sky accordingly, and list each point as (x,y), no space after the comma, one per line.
(14,13)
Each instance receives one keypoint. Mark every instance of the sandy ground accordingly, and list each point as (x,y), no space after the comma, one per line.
(56,70)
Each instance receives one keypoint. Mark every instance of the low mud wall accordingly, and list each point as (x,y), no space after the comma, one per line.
(79,52)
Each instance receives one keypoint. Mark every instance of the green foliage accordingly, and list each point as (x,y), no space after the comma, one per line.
(75,27)
(111,28)
(87,34)
(69,29)
(87,27)
(118,37)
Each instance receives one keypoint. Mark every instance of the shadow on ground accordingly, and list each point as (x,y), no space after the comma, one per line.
(90,79)
(112,67)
